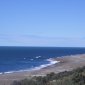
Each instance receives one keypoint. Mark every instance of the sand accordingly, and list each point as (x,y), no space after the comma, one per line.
(66,63)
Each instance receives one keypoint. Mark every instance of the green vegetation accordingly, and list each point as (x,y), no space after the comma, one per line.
(75,77)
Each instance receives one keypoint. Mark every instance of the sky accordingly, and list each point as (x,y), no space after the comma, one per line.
(57,23)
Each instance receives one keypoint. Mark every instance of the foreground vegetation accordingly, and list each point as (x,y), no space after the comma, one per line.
(75,77)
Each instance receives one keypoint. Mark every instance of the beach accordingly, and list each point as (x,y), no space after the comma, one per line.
(65,63)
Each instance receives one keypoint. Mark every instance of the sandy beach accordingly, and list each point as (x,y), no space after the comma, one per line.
(66,63)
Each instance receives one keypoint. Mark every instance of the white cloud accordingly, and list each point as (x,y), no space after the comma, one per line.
(32,40)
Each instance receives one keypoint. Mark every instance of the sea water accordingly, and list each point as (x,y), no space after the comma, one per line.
(16,59)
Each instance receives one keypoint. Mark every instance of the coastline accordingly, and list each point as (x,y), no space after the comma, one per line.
(66,63)
(50,60)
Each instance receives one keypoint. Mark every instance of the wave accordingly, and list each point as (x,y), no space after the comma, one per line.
(38,56)
(50,60)
(31,59)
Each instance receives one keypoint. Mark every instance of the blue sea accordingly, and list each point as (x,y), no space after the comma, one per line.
(15,59)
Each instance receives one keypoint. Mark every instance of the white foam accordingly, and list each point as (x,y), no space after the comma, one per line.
(9,72)
(38,56)
(31,59)
(1,73)
(24,58)
(51,62)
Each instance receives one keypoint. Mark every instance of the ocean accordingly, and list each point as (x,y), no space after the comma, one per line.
(16,59)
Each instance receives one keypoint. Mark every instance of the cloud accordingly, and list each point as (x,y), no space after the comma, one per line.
(34,40)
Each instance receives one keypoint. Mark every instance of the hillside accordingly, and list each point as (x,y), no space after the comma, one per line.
(74,77)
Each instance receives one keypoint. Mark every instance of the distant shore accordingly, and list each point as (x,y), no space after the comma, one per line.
(66,63)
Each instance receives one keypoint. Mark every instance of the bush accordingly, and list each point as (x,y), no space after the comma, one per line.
(75,77)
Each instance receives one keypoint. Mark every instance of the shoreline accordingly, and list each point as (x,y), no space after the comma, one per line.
(50,60)
(66,63)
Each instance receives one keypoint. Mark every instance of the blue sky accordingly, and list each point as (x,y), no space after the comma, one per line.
(59,23)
